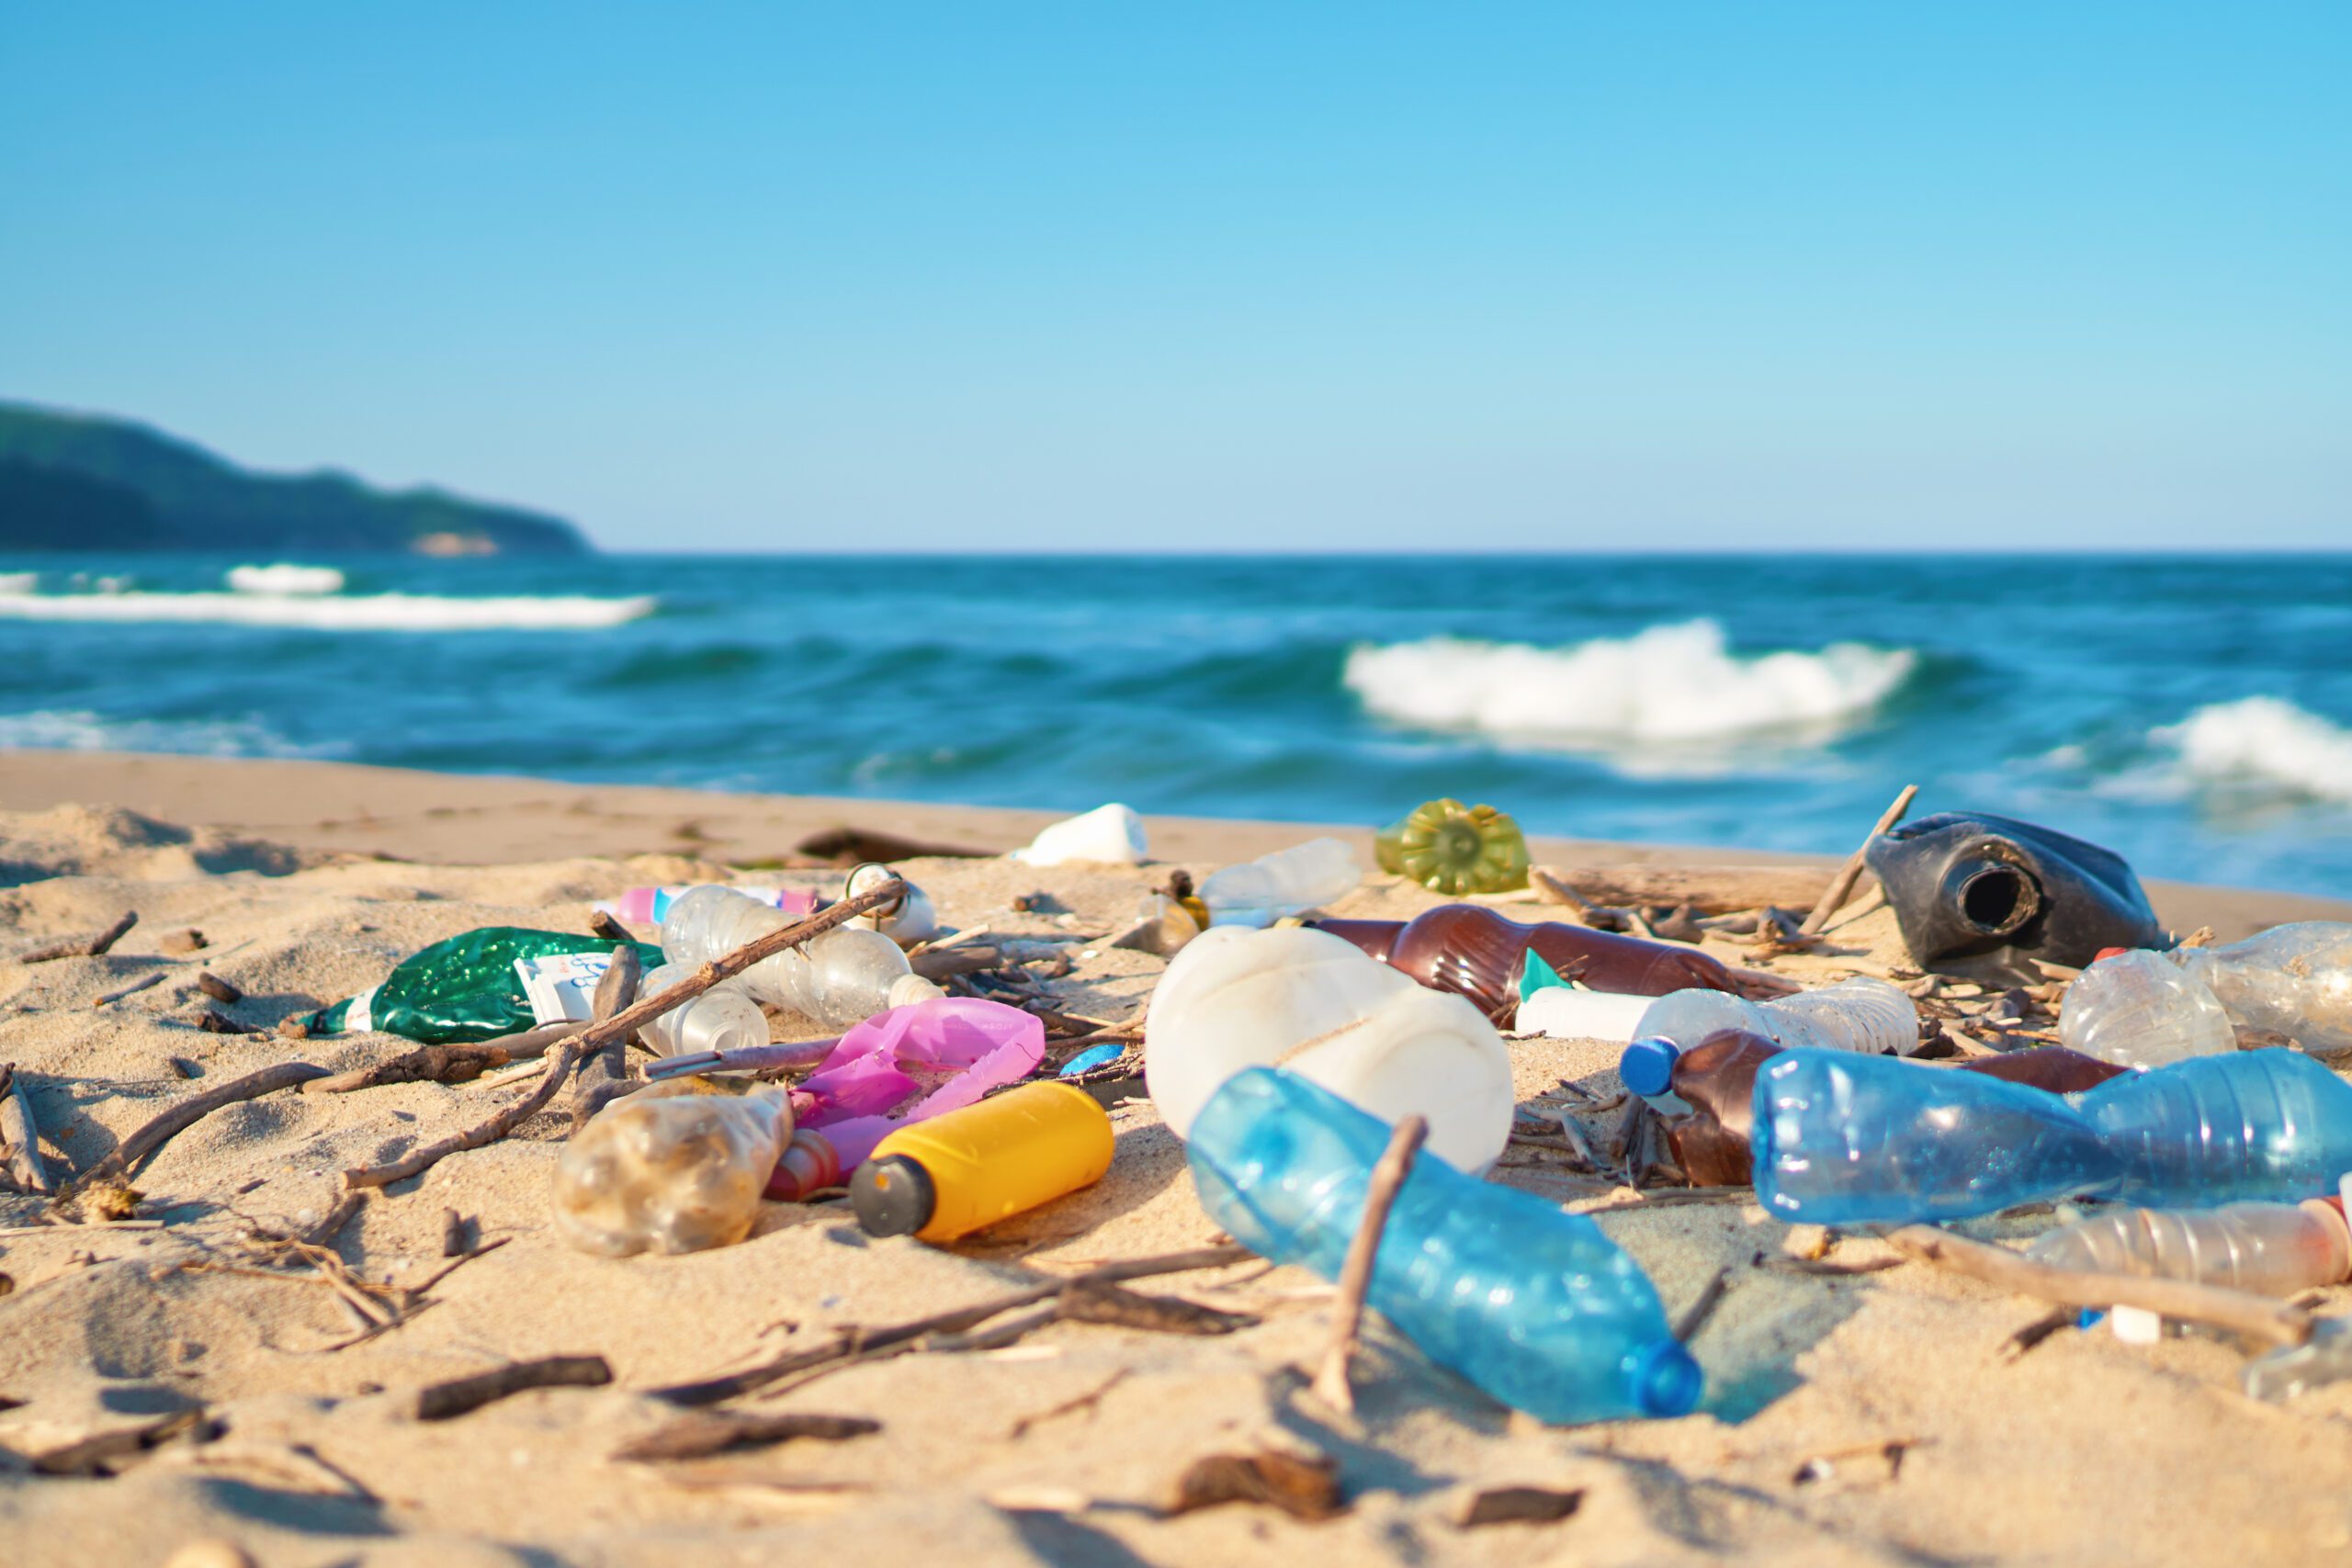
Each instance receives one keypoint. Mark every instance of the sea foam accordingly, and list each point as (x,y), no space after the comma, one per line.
(359,613)
(1667,684)
(285,577)
(2264,744)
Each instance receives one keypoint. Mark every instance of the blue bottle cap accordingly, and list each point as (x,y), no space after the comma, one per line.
(1667,1380)
(1647,1067)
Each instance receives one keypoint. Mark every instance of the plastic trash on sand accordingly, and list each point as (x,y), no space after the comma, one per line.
(1860,1014)
(1237,999)
(2138,1010)
(1454,849)
(723,1018)
(1285,882)
(2294,980)
(648,905)
(914,919)
(473,986)
(1108,835)
(2275,1249)
(1964,882)
(1842,1139)
(965,1169)
(662,1172)
(1533,1305)
(841,976)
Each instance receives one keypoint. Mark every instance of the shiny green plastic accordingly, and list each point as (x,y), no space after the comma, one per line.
(464,988)
(1454,849)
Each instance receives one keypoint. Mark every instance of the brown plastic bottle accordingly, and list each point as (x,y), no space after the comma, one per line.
(1717,1079)
(1473,952)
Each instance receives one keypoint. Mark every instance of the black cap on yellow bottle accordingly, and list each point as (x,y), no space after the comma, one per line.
(892,1196)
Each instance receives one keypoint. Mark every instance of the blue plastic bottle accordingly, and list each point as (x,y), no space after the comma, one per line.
(1535,1306)
(1842,1139)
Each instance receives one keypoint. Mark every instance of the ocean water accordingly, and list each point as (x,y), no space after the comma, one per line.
(2193,714)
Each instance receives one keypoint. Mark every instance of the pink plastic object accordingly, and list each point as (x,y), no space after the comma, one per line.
(932,1057)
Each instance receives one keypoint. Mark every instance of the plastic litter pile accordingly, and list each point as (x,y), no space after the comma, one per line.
(1344,1086)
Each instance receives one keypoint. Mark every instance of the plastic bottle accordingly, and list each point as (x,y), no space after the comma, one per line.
(1566,1013)
(1715,1080)
(1860,1014)
(1238,998)
(723,1018)
(2138,1010)
(1844,1139)
(957,1173)
(1285,882)
(2294,979)
(1535,1306)
(840,977)
(913,918)
(1454,849)
(1964,883)
(1473,952)
(669,1173)
(2275,1249)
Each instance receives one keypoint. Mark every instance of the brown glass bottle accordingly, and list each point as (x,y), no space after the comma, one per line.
(1716,1078)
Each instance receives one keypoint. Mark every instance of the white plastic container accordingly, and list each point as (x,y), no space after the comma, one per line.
(1108,835)
(1306,1000)
(723,1018)
(1566,1012)
(2138,1009)
(1287,882)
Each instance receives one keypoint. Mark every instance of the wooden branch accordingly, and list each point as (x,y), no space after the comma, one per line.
(603,925)
(866,1342)
(20,1137)
(132,989)
(135,1150)
(92,946)
(603,1074)
(1708,889)
(1848,875)
(460,1396)
(596,1036)
(708,1432)
(427,1063)
(1355,1272)
(219,990)
(2258,1318)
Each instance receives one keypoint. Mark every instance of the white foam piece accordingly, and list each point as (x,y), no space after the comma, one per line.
(285,577)
(1108,835)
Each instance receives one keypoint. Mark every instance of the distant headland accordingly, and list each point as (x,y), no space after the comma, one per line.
(71,481)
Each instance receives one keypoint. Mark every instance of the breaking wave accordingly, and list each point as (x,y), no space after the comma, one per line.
(1665,685)
(285,577)
(79,729)
(314,611)
(2264,744)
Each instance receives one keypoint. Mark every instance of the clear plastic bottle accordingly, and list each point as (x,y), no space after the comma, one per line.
(723,1018)
(1535,1306)
(669,1173)
(2138,1010)
(1841,1139)
(2275,1249)
(1860,1014)
(1287,882)
(841,977)
(2294,979)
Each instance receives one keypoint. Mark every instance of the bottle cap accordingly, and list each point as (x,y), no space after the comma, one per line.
(1667,1381)
(1647,1067)
(2105,953)
(893,1196)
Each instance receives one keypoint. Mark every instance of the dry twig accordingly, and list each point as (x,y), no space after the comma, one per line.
(1355,1272)
(459,1396)
(1851,872)
(92,946)
(134,1150)
(20,1137)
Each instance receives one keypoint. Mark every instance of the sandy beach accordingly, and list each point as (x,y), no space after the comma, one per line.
(1879,1415)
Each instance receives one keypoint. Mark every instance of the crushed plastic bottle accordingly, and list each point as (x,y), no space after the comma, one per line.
(1285,882)
(1473,952)
(2138,1010)
(669,1173)
(840,977)
(1860,1014)
(1237,999)
(2294,980)
(723,1018)
(1535,1306)
(2274,1249)
(1844,1139)
(1454,849)
(1108,835)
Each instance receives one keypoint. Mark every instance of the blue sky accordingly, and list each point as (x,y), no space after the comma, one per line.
(1551,276)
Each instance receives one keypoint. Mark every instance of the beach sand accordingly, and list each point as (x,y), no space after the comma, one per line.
(1880,1417)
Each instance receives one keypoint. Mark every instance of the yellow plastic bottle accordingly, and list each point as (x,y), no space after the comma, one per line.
(956,1173)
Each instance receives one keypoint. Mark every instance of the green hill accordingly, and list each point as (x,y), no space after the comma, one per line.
(76,481)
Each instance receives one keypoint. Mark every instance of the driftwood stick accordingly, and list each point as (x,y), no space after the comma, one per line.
(603,925)
(219,990)
(132,989)
(459,1396)
(20,1138)
(603,1074)
(1708,889)
(135,1150)
(869,1341)
(427,1063)
(1848,875)
(92,946)
(596,1036)
(2258,1318)
(1363,1249)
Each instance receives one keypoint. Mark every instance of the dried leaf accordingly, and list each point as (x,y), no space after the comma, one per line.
(1303,1488)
